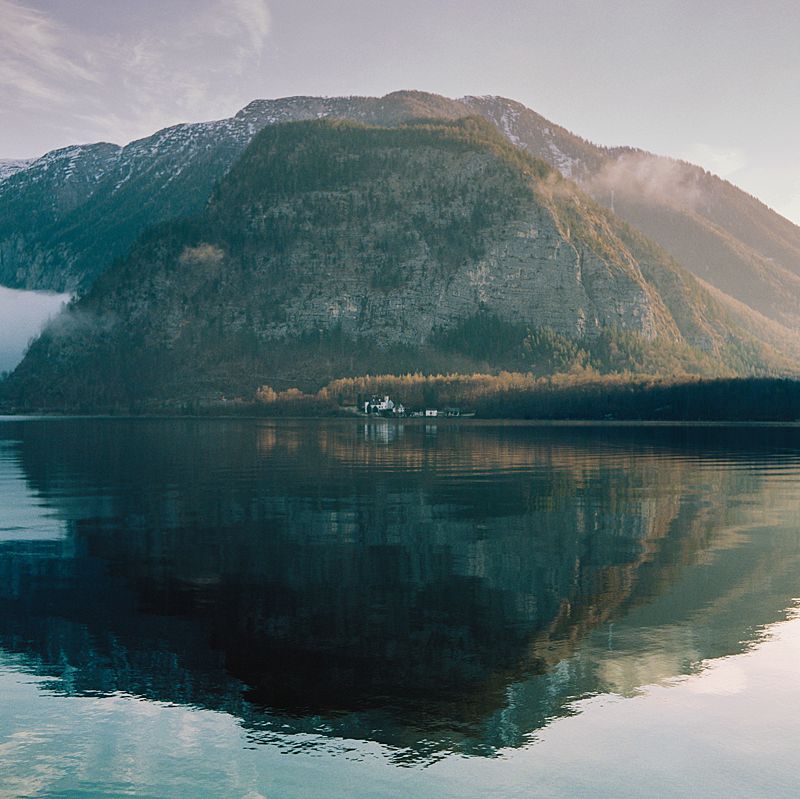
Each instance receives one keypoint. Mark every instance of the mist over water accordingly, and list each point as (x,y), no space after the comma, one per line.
(22,316)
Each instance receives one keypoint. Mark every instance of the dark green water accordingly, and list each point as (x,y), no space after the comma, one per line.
(350,609)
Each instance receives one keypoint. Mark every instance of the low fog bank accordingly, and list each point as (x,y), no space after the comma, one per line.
(22,314)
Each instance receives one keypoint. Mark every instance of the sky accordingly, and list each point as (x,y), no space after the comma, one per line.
(709,81)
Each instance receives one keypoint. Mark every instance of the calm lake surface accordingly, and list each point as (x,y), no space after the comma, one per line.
(291,609)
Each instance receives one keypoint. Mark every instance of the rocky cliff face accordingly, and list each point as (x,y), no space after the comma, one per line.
(380,240)
(425,228)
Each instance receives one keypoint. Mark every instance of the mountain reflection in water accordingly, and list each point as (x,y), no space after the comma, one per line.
(435,589)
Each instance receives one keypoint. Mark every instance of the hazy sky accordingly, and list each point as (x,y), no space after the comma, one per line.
(714,82)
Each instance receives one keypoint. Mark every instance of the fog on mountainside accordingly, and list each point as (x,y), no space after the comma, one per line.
(22,314)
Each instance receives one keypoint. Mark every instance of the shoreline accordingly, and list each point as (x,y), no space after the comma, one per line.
(413,421)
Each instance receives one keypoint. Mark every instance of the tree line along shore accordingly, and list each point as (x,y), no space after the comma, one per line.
(510,395)
(505,395)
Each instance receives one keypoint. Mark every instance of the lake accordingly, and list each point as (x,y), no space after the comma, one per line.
(353,608)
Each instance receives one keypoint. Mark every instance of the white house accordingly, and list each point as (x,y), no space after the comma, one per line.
(383,406)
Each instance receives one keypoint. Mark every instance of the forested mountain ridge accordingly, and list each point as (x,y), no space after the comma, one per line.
(334,248)
(65,217)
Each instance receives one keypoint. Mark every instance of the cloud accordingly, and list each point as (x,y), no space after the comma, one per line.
(650,176)
(722,161)
(35,66)
(22,315)
(244,21)
(128,83)
(206,254)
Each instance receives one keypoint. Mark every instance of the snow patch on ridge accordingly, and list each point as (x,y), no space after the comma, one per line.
(563,162)
(10,166)
(509,120)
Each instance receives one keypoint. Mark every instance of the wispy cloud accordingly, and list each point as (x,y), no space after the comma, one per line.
(35,64)
(128,84)
(722,161)
(245,23)
(646,175)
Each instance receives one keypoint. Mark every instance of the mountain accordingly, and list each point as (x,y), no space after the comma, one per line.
(67,216)
(334,247)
